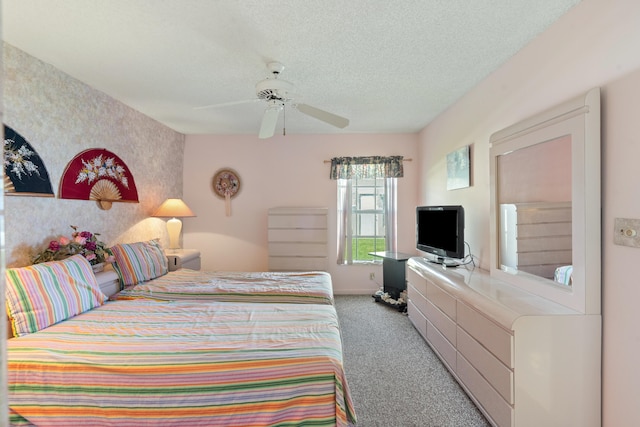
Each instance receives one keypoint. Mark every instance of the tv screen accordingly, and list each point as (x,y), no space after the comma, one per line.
(440,231)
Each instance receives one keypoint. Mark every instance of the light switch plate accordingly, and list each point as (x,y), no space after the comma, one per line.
(627,232)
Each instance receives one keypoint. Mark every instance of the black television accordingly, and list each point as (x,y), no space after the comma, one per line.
(440,231)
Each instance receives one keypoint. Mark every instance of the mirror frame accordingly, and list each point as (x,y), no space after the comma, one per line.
(580,118)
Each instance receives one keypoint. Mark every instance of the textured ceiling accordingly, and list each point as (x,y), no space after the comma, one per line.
(388,66)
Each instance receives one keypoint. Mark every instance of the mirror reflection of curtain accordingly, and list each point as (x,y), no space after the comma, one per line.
(345,170)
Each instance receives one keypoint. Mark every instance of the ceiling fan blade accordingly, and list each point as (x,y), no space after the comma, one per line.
(324,116)
(227,104)
(269,121)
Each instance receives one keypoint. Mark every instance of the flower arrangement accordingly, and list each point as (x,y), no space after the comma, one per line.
(81,242)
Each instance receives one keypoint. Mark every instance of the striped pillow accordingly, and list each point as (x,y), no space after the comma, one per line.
(139,262)
(43,294)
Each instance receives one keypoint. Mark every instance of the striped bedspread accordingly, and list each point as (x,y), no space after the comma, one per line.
(279,287)
(182,363)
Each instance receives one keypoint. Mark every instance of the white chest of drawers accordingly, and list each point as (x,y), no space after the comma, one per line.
(297,239)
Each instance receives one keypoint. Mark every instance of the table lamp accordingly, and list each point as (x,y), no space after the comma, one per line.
(174,208)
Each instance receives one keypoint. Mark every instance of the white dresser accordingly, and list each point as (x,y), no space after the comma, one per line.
(524,360)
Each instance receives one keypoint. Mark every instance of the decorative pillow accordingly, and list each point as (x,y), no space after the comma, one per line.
(139,262)
(43,294)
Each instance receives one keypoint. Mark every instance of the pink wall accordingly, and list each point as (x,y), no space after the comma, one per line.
(595,44)
(282,171)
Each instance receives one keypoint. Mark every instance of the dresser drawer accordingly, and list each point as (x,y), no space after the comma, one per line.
(494,371)
(418,299)
(444,324)
(298,263)
(183,258)
(441,299)
(417,318)
(297,235)
(442,346)
(293,220)
(418,282)
(494,338)
(493,404)
(297,249)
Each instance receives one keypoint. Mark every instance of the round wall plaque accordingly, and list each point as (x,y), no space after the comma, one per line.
(226,185)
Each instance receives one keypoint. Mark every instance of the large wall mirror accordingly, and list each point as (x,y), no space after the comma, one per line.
(545,204)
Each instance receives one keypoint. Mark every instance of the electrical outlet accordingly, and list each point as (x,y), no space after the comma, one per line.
(372,276)
(627,232)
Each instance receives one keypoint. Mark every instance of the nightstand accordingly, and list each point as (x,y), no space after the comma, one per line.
(183,258)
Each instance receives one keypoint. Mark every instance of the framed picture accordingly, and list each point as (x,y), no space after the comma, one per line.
(459,168)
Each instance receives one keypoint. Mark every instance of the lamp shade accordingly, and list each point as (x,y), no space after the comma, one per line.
(172,208)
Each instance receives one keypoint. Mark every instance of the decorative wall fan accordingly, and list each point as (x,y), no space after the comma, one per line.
(277,94)
(24,171)
(100,175)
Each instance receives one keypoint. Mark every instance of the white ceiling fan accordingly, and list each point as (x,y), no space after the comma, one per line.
(277,94)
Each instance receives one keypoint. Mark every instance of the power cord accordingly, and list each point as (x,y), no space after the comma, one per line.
(469,258)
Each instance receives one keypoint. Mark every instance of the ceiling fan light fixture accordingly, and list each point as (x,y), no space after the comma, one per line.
(274,89)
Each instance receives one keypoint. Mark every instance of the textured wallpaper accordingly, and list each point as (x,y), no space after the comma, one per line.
(60,117)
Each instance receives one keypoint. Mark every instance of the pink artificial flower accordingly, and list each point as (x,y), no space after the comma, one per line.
(63,241)
(80,240)
(54,246)
(90,256)
(110,259)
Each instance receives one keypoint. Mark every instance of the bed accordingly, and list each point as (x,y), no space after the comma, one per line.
(312,287)
(143,272)
(184,363)
(79,359)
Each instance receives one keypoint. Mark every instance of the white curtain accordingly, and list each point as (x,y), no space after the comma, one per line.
(391,215)
(345,215)
(345,209)
(343,169)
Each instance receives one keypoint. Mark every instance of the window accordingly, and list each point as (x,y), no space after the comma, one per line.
(366,207)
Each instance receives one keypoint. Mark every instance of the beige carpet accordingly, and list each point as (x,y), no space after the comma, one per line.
(394,377)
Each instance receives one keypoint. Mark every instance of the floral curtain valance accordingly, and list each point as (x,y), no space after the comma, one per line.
(366,167)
